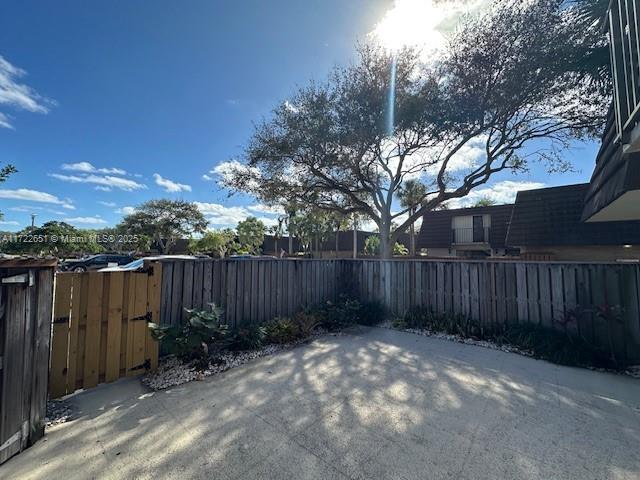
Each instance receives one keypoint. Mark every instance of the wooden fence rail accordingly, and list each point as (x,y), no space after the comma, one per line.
(100,327)
(250,291)
(498,293)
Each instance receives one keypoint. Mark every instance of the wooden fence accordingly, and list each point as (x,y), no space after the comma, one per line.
(250,291)
(100,327)
(26,290)
(502,292)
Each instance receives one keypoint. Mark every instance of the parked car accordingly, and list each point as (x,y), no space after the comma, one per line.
(139,263)
(95,262)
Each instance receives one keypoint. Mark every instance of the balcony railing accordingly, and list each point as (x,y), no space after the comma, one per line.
(470,235)
(624,41)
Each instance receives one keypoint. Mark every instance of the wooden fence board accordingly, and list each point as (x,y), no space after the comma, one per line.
(107,336)
(60,342)
(114,329)
(93,330)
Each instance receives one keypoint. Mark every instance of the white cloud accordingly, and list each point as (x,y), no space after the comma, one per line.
(126,210)
(104,182)
(9,222)
(18,95)
(217,214)
(271,210)
(34,196)
(102,189)
(207,177)
(86,167)
(107,204)
(85,221)
(26,208)
(501,193)
(4,121)
(220,216)
(169,185)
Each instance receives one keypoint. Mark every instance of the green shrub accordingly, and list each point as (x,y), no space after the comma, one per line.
(249,337)
(194,338)
(306,323)
(281,330)
(557,346)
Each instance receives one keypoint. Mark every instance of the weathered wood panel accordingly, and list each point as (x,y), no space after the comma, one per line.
(251,291)
(498,293)
(26,307)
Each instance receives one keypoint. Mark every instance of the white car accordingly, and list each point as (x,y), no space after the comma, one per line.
(139,263)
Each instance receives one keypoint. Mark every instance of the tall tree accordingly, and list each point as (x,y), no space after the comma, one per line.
(509,89)
(216,242)
(251,234)
(165,221)
(411,194)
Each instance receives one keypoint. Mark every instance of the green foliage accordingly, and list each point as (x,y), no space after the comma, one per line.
(484,202)
(251,234)
(281,330)
(68,240)
(562,346)
(216,242)
(372,245)
(249,337)
(192,339)
(400,249)
(165,221)
(4,174)
(305,324)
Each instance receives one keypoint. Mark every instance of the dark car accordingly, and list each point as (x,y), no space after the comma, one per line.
(95,262)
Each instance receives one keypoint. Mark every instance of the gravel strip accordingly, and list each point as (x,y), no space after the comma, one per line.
(58,411)
(172,371)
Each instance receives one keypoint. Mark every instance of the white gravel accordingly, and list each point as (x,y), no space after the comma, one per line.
(172,371)
(58,411)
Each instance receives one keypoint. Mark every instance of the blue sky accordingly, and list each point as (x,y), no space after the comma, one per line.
(109,104)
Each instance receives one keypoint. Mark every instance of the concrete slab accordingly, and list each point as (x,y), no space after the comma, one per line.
(373,404)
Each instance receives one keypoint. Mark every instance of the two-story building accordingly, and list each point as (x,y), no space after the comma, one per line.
(475,232)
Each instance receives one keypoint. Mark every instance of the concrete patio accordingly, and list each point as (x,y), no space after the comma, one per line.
(374,404)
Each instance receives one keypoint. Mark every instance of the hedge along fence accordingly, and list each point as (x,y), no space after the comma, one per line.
(491,293)
(250,291)
(500,293)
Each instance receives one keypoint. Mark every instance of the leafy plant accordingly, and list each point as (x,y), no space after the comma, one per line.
(193,338)
(400,249)
(306,323)
(250,337)
(281,330)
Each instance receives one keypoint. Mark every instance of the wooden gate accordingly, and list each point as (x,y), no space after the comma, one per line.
(100,329)
(26,293)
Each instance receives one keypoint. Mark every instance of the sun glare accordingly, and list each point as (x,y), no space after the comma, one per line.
(421,23)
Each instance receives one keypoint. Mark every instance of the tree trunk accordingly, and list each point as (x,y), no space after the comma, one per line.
(386,245)
(275,247)
(337,241)
(290,244)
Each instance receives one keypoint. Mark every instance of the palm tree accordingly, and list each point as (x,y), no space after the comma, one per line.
(411,195)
